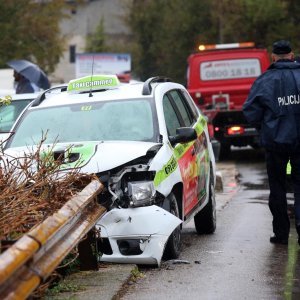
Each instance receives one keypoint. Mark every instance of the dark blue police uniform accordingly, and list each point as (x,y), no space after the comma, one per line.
(273,106)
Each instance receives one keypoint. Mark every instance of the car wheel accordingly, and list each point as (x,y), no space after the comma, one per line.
(206,219)
(225,150)
(173,246)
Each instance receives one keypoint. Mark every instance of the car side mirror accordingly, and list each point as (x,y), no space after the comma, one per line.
(183,135)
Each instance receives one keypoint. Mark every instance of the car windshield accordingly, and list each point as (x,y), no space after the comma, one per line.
(9,113)
(128,120)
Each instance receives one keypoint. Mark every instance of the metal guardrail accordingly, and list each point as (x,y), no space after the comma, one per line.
(30,260)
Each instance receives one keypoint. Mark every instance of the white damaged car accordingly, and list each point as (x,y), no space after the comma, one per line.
(148,144)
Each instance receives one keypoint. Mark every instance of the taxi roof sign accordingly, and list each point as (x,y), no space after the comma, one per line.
(92,83)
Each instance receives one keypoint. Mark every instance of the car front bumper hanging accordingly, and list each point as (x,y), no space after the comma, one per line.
(137,235)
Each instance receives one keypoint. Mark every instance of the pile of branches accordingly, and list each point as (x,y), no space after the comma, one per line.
(33,187)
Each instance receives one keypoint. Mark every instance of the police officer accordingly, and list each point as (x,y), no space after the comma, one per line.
(273,107)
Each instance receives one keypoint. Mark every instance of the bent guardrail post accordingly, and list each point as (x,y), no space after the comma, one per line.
(34,257)
(86,250)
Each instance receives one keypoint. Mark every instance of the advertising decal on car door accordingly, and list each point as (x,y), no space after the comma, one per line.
(193,164)
(192,159)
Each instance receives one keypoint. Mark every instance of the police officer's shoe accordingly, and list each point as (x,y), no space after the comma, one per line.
(276,240)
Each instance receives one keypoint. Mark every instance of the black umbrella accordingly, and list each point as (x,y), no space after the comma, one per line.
(31,71)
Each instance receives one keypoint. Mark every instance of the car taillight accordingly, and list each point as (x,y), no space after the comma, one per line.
(235,130)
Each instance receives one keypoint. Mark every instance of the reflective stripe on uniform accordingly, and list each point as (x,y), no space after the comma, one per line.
(288,168)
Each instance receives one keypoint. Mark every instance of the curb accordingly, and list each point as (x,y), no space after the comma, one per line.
(219,182)
(106,283)
(226,183)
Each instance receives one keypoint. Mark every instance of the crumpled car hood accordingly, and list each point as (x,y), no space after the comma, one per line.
(94,157)
(109,155)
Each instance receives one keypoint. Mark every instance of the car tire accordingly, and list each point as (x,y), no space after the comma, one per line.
(173,246)
(225,151)
(206,219)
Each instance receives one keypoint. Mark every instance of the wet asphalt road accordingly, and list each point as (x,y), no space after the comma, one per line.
(237,261)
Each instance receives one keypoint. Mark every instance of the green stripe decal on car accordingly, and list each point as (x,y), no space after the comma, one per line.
(75,156)
(166,171)
(179,151)
(85,151)
(199,127)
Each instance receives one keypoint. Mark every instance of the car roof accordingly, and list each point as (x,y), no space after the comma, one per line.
(124,91)
(134,90)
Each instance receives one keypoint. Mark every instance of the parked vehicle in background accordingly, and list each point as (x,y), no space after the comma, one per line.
(7,92)
(219,79)
(148,144)
(11,111)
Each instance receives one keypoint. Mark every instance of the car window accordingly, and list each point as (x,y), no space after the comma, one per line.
(9,113)
(171,118)
(195,111)
(185,114)
(102,121)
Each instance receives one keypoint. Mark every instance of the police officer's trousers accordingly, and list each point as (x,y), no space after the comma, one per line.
(276,168)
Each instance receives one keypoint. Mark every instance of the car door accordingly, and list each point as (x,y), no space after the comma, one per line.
(190,156)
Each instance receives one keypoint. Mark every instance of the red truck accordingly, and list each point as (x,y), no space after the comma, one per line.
(219,78)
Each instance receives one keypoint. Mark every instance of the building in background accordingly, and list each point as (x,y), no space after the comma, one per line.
(83,20)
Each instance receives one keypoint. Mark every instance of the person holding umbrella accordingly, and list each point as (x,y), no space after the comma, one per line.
(29,78)
(23,85)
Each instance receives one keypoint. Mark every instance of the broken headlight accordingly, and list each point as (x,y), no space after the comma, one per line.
(141,193)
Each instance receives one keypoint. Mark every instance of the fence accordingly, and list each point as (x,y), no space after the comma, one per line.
(30,260)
